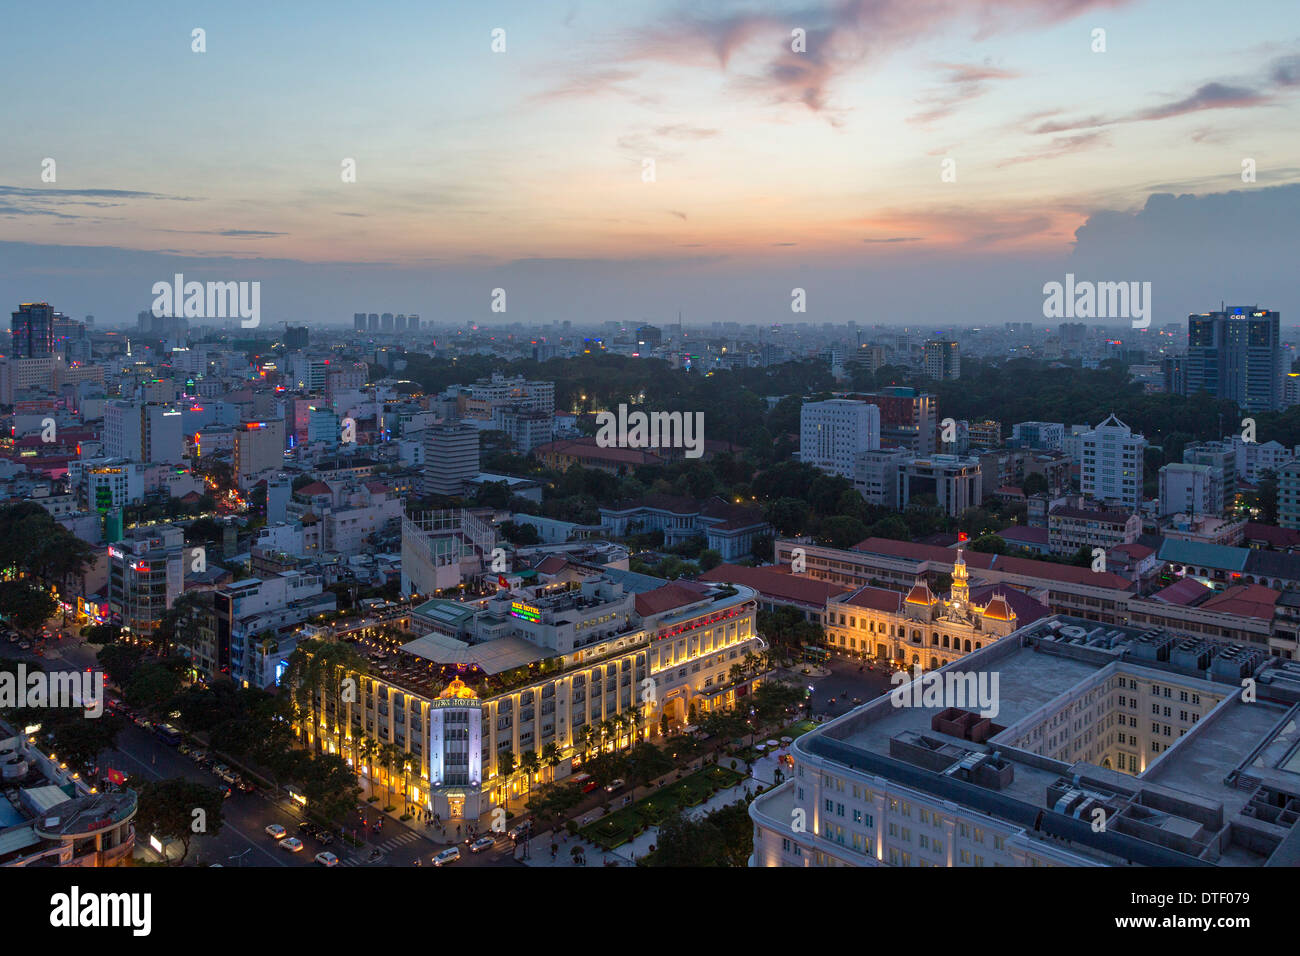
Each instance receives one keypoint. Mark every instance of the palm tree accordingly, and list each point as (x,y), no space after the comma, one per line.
(505,767)
(551,757)
(409,761)
(608,727)
(636,718)
(530,763)
(585,736)
(367,749)
(390,754)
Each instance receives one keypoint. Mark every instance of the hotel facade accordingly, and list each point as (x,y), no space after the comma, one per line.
(585,660)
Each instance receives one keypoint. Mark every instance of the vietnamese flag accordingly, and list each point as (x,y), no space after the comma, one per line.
(116,776)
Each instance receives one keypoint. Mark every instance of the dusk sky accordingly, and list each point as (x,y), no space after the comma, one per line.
(773,169)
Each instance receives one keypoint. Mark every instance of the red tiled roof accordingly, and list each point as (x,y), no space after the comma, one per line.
(1274,537)
(551,564)
(670,596)
(776,583)
(315,488)
(876,599)
(1184,593)
(1026,609)
(979,560)
(1017,534)
(1245,600)
(587,448)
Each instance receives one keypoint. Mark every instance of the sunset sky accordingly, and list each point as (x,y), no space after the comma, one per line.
(769,164)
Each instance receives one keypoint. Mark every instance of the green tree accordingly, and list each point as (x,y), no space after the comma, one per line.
(170,808)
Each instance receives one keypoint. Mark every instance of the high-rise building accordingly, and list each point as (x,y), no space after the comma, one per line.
(985,434)
(372,321)
(942,360)
(833,433)
(909,418)
(1112,464)
(413,322)
(259,446)
(1043,435)
(143,432)
(32,328)
(1221,457)
(358,321)
(1236,354)
(450,457)
(1288,495)
(386,322)
(295,336)
(145,576)
(1190,489)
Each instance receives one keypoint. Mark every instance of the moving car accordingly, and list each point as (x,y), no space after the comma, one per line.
(449,855)
(326,858)
(615,784)
(276,831)
(589,786)
(481,844)
(292,844)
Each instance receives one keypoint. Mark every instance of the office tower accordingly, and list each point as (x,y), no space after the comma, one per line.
(649,337)
(1190,489)
(1236,354)
(1222,458)
(450,457)
(1288,495)
(413,322)
(386,322)
(278,492)
(942,360)
(1049,436)
(295,336)
(259,446)
(372,321)
(358,321)
(32,328)
(145,576)
(909,418)
(143,432)
(985,434)
(1111,469)
(833,433)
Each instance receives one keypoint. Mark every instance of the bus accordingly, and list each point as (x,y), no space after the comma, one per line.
(167,734)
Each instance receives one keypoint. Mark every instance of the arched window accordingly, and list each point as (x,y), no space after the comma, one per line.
(934,663)
(968,646)
(934,639)
(978,645)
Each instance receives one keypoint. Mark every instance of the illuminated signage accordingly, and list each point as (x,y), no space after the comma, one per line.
(526,612)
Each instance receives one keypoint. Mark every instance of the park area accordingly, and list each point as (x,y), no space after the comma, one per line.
(622,825)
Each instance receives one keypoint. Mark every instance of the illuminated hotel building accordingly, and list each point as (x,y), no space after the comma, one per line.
(1067,743)
(536,666)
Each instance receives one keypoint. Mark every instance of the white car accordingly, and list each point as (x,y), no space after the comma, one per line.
(292,844)
(481,844)
(326,858)
(277,832)
(615,784)
(449,855)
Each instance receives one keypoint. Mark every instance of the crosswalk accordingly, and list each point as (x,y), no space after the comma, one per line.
(402,840)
